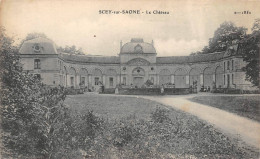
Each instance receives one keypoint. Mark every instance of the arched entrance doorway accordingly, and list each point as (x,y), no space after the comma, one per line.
(65,73)
(164,76)
(138,77)
(180,79)
(83,77)
(72,77)
(195,77)
(97,79)
(111,79)
(219,77)
(208,77)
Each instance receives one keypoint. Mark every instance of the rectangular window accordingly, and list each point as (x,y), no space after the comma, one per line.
(124,80)
(228,80)
(82,81)
(60,65)
(232,79)
(224,80)
(64,81)
(232,65)
(111,82)
(96,81)
(37,64)
(152,80)
(228,65)
(61,80)
(71,81)
(224,66)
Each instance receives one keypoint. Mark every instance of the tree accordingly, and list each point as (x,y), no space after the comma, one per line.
(71,49)
(31,36)
(256,26)
(250,46)
(34,35)
(196,53)
(17,99)
(31,113)
(205,50)
(148,83)
(226,35)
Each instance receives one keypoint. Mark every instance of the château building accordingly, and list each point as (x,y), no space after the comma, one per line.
(137,62)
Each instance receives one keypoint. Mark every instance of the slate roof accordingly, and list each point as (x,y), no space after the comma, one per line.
(90,59)
(190,59)
(130,46)
(47,46)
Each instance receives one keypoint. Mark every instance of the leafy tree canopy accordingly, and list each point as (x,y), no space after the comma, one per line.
(256,26)
(67,49)
(30,111)
(226,35)
(71,49)
(250,46)
(33,35)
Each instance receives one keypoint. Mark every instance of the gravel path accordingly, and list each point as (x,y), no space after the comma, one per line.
(231,124)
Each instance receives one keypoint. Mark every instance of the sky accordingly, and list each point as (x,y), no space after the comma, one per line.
(187,28)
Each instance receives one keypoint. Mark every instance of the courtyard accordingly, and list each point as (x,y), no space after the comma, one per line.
(203,131)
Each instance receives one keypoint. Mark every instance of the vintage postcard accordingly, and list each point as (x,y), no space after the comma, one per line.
(116,79)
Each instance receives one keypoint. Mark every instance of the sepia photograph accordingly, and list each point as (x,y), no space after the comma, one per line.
(139,79)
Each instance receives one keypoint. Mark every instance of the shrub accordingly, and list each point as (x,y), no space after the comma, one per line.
(31,113)
(160,115)
(148,83)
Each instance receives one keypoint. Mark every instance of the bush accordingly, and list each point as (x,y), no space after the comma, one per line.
(73,91)
(108,91)
(31,113)
(160,115)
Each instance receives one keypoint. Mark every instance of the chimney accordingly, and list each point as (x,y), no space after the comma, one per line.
(121,45)
(152,42)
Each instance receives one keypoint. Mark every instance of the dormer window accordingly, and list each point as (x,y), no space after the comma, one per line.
(36,48)
(37,64)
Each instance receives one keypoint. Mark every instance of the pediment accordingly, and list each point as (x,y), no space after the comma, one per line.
(138,62)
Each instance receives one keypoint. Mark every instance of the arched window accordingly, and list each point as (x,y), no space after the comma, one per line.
(37,64)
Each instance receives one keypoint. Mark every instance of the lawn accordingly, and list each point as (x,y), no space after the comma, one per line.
(140,128)
(246,106)
(112,107)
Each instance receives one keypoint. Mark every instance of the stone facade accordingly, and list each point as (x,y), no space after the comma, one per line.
(136,63)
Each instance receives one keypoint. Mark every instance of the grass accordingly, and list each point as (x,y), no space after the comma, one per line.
(246,106)
(112,107)
(136,128)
